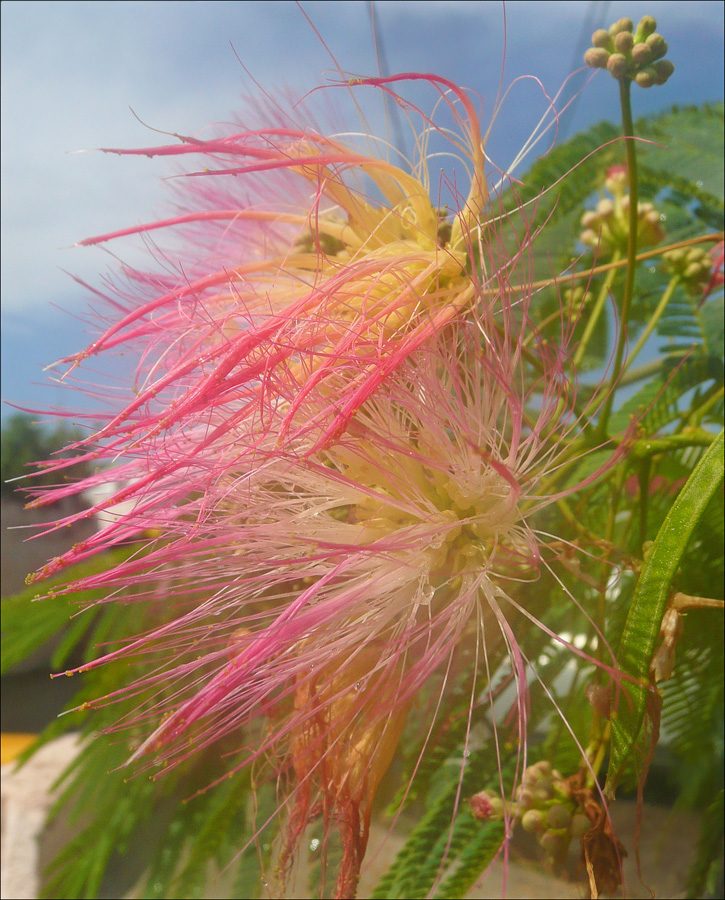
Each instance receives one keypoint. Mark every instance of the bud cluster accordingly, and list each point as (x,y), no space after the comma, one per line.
(607,227)
(544,807)
(693,265)
(633,54)
(577,297)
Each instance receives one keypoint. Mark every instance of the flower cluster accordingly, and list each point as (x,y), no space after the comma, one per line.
(342,421)
(636,56)
(607,227)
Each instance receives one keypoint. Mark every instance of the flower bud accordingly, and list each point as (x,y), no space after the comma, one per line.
(596,58)
(558,817)
(533,821)
(645,27)
(617,65)
(605,207)
(663,69)
(694,266)
(616,180)
(526,799)
(555,843)
(580,824)
(544,789)
(658,45)
(486,805)
(621,25)
(641,54)
(623,42)
(480,805)
(602,39)
(692,271)
(647,78)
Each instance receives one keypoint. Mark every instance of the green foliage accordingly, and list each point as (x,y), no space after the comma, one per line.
(641,629)
(448,842)
(25,443)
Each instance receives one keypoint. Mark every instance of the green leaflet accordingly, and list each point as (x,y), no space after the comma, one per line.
(650,598)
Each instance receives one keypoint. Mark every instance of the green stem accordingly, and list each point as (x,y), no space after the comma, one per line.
(656,316)
(698,414)
(647,370)
(595,313)
(630,147)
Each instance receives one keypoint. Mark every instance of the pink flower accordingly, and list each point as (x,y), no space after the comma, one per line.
(304,259)
(333,582)
(345,420)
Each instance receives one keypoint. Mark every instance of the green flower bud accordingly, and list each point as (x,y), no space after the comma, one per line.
(616,181)
(645,27)
(663,68)
(658,45)
(623,42)
(544,790)
(647,78)
(621,25)
(555,843)
(596,58)
(641,54)
(526,799)
(533,821)
(558,817)
(617,65)
(601,38)
(580,824)
(694,266)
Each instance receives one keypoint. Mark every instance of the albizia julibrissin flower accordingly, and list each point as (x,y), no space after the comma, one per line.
(327,586)
(342,422)
(307,272)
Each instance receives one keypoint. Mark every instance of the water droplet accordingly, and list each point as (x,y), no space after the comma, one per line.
(314,844)
(699,183)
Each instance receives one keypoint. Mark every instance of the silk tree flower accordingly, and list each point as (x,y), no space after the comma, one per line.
(333,582)
(313,257)
(308,269)
(341,423)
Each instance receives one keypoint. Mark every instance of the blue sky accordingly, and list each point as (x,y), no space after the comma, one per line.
(72,70)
